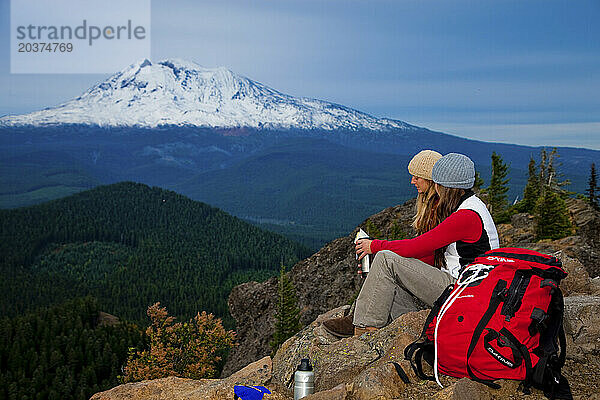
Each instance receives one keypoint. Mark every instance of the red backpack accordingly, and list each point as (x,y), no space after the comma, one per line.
(502,319)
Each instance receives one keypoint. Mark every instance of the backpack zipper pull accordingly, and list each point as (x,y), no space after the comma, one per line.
(503,294)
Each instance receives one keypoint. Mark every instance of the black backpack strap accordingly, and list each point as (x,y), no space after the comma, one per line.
(547,374)
(562,357)
(497,298)
(553,331)
(502,341)
(414,353)
(400,372)
(560,389)
(522,349)
(559,304)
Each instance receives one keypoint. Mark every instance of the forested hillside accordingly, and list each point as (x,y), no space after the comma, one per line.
(129,246)
(62,352)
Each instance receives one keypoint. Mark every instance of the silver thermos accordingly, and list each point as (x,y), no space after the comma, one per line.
(304,380)
(365,264)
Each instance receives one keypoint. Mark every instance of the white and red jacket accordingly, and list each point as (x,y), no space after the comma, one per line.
(468,232)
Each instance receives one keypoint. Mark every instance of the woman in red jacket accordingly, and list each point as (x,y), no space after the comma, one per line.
(397,273)
(425,219)
(466,231)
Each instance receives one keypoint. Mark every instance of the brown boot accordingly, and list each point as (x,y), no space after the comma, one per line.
(358,330)
(340,327)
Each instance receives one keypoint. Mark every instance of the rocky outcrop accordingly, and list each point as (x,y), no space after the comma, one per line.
(105,319)
(323,281)
(578,280)
(363,364)
(172,388)
(252,306)
(361,368)
(582,325)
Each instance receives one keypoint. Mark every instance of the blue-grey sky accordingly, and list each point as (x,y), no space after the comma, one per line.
(525,72)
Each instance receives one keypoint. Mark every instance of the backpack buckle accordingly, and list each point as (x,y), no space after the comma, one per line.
(538,321)
(549,282)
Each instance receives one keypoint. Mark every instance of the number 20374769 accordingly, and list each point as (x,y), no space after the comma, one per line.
(39,47)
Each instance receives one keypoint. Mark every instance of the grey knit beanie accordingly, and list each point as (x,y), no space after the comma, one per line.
(454,171)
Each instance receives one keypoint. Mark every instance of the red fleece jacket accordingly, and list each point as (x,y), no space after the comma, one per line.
(462,225)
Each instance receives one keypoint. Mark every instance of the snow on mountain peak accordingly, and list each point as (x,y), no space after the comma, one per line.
(180,92)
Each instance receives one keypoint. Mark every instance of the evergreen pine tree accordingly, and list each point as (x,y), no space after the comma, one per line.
(550,212)
(498,187)
(593,188)
(551,217)
(532,190)
(287,315)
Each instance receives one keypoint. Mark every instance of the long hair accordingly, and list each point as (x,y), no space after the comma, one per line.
(447,204)
(426,219)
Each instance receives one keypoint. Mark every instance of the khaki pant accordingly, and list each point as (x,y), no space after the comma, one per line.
(392,285)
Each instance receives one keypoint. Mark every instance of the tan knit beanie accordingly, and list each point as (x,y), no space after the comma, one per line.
(422,164)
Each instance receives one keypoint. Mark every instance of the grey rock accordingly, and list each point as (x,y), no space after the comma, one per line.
(595,285)
(253,307)
(578,280)
(582,326)
(522,221)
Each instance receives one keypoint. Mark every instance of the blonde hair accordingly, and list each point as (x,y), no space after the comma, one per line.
(426,219)
(420,166)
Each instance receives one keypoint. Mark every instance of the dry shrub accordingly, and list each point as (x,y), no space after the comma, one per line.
(191,349)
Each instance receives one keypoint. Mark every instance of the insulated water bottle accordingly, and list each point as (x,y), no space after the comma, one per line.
(364,263)
(304,380)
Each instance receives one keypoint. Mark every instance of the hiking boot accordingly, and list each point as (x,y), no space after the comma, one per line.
(340,327)
(359,330)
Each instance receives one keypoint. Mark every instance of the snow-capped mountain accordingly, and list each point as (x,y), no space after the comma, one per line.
(178,92)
